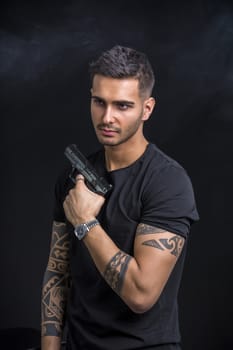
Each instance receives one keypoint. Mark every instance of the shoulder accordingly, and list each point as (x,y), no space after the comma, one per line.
(168,194)
(154,159)
(164,170)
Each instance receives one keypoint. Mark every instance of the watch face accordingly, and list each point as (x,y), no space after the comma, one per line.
(80,231)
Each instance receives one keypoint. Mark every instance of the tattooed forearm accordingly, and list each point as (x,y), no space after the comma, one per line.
(144,229)
(54,297)
(173,244)
(116,269)
(56,283)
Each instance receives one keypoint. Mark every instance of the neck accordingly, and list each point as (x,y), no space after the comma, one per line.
(120,156)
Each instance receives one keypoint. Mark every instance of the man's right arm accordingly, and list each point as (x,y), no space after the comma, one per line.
(55,289)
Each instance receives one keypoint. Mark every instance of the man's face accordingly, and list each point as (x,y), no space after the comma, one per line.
(117,110)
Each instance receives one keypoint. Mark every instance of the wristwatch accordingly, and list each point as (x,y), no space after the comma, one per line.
(80,231)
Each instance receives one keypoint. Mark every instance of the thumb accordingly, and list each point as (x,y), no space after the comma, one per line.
(79,177)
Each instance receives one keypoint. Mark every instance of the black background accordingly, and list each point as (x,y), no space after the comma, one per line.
(45,49)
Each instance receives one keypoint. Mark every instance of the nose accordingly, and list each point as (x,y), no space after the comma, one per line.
(108,115)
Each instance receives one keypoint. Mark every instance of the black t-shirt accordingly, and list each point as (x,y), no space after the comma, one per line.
(154,190)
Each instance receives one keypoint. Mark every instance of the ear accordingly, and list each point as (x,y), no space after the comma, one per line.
(148,107)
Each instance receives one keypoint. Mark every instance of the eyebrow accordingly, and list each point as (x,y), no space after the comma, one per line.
(126,102)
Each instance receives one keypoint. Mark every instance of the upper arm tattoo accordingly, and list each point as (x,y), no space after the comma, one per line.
(56,282)
(114,273)
(173,244)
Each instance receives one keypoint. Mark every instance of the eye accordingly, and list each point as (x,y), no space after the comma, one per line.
(98,102)
(122,106)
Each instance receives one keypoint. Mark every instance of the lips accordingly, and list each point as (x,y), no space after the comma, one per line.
(107,132)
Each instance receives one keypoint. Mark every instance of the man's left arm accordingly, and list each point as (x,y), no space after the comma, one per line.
(138,279)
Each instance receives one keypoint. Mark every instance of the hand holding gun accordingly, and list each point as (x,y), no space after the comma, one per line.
(81,165)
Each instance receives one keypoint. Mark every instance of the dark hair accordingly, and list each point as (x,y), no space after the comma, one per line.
(123,62)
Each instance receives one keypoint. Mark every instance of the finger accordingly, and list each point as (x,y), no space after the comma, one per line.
(79,177)
(67,198)
(65,205)
(66,202)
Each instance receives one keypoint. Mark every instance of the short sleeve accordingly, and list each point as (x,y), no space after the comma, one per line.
(168,201)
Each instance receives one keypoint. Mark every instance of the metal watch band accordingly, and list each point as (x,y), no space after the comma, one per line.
(91,224)
(81,230)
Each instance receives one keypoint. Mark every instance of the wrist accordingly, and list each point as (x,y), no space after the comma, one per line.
(83,220)
(50,342)
(82,229)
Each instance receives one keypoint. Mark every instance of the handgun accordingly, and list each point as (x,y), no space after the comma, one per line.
(81,165)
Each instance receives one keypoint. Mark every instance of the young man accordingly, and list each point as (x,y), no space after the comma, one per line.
(126,256)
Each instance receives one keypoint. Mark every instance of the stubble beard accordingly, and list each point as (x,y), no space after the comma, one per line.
(128,134)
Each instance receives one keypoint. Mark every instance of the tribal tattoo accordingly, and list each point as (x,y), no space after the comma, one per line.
(56,282)
(116,269)
(173,244)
